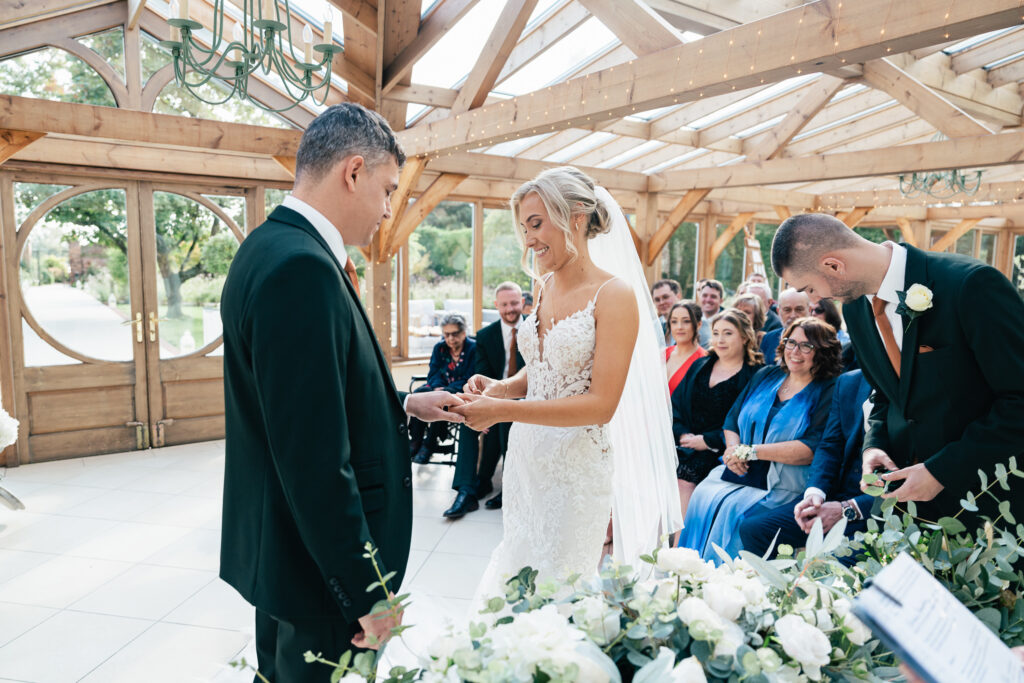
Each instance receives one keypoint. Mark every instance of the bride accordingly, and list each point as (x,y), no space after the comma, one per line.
(576,452)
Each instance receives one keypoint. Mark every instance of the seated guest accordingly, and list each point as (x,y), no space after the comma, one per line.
(751,305)
(833,487)
(704,397)
(709,296)
(827,310)
(761,289)
(498,357)
(666,294)
(683,321)
(792,305)
(779,419)
(451,365)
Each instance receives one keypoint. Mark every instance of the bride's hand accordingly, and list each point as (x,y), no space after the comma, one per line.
(479,412)
(478,384)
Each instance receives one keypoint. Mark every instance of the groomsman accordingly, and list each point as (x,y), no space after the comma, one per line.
(709,297)
(666,293)
(498,357)
(940,338)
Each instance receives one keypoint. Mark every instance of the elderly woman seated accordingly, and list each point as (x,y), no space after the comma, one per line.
(451,364)
(771,433)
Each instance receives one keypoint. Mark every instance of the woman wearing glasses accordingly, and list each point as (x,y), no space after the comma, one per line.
(827,310)
(770,436)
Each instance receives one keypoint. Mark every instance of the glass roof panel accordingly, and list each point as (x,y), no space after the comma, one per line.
(693,154)
(563,58)
(754,130)
(848,91)
(451,58)
(976,40)
(514,147)
(579,147)
(845,119)
(1005,60)
(752,101)
(639,150)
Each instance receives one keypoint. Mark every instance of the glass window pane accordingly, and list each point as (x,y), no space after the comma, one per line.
(194,249)
(154,56)
(74,279)
(176,100)
(27,196)
(53,74)
(965,245)
(440,273)
(987,248)
(679,258)
(729,266)
(109,45)
(936,236)
(502,260)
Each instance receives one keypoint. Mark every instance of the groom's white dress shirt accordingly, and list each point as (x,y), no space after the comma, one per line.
(894,281)
(506,338)
(322,225)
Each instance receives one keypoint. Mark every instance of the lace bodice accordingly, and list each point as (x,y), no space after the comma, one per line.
(562,364)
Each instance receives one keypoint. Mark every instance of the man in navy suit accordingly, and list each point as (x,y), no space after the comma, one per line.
(833,488)
(792,305)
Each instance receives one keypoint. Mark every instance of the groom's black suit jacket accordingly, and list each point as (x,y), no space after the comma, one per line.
(317,450)
(960,407)
(490,352)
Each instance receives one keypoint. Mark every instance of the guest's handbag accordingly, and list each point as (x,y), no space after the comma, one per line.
(757,470)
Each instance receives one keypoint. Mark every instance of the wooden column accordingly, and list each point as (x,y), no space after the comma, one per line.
(378,300)
(8,278)
(706,235)
(646,226)
(478,267)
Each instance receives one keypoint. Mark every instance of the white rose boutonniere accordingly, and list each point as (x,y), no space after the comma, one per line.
(914,302)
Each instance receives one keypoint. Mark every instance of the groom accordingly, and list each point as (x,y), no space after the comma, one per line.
(940,338)
(317,461)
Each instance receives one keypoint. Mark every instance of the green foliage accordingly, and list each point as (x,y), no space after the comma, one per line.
(679,257)
(502,253)
(53,74)
(109,45)
(217,253)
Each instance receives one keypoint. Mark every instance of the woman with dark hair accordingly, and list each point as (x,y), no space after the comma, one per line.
(827,310)
(683,324)
(704,397)
(451,364)
(770,436)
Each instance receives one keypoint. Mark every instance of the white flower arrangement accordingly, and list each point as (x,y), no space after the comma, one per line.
(8,429)
(743,453)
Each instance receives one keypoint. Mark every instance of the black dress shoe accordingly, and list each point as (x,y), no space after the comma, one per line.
(464,502)
(422,456)
(494,503)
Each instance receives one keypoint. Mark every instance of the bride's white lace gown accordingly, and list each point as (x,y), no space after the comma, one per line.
(557,481)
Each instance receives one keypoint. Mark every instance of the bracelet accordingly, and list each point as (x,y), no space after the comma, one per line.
(505,384)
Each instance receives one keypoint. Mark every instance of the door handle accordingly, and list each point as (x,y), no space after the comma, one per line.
(138,326)
(153,321)
(158,431)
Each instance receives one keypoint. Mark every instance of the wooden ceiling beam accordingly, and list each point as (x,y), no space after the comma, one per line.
(710,66)
(683,209)
(135,8)
(16,38)
(21,12)
(952,121)
(950,238)
(443,186)
(536,40)
(722,241)
(431,29)
(407,181)
(503,38)
(854,216)
(639,27)
(779,135)
(981,151)
(500,167)
(360,11)
(1006,192)
(907,231)
(13,141)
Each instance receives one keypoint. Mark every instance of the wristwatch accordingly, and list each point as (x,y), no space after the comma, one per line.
(849,511)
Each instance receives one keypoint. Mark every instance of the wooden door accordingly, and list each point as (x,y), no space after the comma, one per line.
(188,240)
(73,279)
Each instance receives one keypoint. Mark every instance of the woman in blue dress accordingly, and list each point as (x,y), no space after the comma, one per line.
(781,414)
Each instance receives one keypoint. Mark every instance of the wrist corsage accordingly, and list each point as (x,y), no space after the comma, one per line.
(745,453)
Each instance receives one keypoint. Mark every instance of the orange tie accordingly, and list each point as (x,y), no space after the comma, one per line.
(513,349)
(891,349)
(350,270)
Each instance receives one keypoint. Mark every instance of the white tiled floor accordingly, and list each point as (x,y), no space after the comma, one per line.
(110,574)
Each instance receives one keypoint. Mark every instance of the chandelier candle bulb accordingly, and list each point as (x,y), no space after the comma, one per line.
(175,31)
(328,25)
(307,40)
(268,10)
(184,10)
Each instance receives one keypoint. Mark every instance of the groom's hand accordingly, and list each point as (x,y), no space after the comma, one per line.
(431,406)
(918,484)
(478,384)
(379,627)
(480,412)
(874,459)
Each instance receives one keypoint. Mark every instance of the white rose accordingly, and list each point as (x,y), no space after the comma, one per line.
(859,633)
(919,298)
(693,610)
(597,618)
(804,643)
(728,601)
(689,670)
(787,674)
(732,637)
(686,562)
(8,429)
(351,678)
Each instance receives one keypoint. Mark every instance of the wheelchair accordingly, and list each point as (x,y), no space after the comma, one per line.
(448,445)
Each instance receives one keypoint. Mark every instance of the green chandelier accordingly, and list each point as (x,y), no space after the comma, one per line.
(260,41)
(940,184)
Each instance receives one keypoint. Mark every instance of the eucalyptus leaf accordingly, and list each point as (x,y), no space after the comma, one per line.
(952,525)
(990,617)
(815,539)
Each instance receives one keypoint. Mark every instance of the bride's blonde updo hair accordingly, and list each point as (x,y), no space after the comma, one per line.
(566,192)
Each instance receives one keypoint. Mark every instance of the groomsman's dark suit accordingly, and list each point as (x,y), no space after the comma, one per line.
(958,404)
(836,471)
(317,458)
(473,469)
